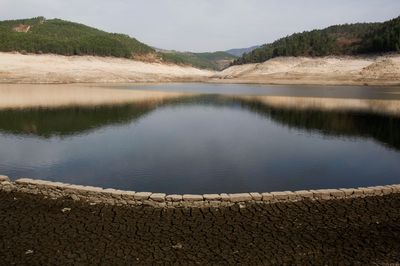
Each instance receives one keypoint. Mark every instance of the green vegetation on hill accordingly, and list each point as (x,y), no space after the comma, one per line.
(38,35)
(385,38)
(56,36)
(215,61)
(348,39)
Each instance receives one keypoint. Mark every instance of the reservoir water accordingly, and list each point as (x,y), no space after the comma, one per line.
(223,139)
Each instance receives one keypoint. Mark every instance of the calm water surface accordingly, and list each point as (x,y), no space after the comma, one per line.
(203,144)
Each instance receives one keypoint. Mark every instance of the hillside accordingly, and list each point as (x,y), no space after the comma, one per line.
(348,39)
(56,36)
(240,51)
(50,68)
(215,60)
(329,70)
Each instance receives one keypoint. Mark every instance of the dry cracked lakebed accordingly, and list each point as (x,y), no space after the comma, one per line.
(38,231)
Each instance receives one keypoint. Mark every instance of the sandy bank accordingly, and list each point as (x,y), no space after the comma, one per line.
(377,70)
(14,96)
(18,68)
(373,70)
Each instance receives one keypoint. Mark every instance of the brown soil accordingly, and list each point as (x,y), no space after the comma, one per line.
(22,28)
(37,231)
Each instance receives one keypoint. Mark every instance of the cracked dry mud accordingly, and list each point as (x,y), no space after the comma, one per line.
(36,231)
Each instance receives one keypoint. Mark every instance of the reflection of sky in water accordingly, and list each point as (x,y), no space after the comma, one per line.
(197,148)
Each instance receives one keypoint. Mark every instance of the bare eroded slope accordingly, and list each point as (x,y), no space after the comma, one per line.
(18,68)
(376,70)
(384,70)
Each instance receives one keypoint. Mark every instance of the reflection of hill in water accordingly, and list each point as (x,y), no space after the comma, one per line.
(383,128)
(80,120)
(68,121)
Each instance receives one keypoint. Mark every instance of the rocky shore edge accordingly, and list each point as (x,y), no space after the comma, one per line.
(97,195)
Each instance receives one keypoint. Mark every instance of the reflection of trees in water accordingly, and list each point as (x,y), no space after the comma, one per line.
(66,121)
(48,122)
(383,128)
(78,120)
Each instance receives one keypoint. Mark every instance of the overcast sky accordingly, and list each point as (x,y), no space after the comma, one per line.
(205,25)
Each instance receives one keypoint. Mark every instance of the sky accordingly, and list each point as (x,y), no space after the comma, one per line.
(205,25)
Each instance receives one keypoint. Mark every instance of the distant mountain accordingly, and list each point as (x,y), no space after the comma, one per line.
(240,51)
(348,39)
(212,60)
(38,35)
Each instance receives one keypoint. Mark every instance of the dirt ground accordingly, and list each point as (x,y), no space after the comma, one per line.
(37,231)
(345,70)
(47,68)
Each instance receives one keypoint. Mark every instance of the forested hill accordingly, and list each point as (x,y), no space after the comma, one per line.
(213,60)
(56,36)
(348,39)
(38,35)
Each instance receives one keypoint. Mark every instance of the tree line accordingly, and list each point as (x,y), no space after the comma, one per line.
(66,38)
(348,39)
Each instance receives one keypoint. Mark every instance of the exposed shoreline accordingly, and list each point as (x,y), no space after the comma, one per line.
(354,226)
(330,70)
(58,190)
(16,68)
(382,70)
